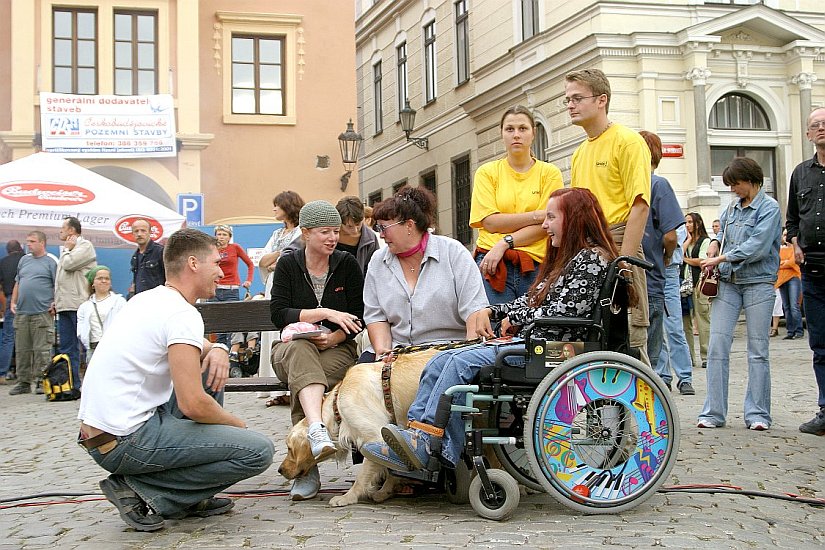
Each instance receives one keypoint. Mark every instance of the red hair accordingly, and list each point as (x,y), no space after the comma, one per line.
(584,227)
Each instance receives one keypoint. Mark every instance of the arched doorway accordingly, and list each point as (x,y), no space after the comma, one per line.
(140,183)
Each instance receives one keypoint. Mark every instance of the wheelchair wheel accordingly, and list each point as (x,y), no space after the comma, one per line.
(457,483)
(509,420)
(505,497)
(601,433)
(235,372)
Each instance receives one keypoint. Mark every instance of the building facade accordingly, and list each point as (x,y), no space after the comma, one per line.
(261,90)
(714,79)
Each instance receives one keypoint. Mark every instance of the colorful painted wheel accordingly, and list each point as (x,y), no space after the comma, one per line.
(504,500)
(601,433)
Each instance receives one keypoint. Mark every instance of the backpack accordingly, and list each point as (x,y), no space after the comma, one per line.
(57,380)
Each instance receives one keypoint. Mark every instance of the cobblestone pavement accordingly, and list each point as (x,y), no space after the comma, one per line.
(39,456)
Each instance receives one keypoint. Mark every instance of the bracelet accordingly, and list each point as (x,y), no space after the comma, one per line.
(220,346)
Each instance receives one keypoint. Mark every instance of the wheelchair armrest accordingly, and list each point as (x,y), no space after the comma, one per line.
(562,321)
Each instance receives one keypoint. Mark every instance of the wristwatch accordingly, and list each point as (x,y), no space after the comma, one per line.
(220,346)
(510,242)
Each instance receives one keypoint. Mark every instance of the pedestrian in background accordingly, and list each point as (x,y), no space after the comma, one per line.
(751,230)
(230,284)
(355,237)
(789,284)
(8,270)
(695,249)
(95,315)
(806,230)
(147,261)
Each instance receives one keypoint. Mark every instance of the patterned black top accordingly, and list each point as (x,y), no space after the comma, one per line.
(574,295)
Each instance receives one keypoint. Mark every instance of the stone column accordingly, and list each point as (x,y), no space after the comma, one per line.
(805,82)
(704,196)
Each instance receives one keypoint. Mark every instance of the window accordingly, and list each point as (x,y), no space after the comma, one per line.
(462,42)
(738,112)
(462,196)
(377,98)
(257,75)
(529,18)
(720,157)
(398,186)
(429,63)
(136,53)
(74,54)
(401,69)
(539,143)
(375,197)
(428,181)
(261,65)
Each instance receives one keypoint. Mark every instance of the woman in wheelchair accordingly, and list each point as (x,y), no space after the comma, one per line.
(579,249)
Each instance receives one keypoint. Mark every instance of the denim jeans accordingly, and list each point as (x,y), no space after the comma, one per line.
(226,295)
(7,339)
(757,301)
(173,462)
(516,285)
(69,342)
(675,353)
(450,368)
(791,292)
(813,291)
(656,313)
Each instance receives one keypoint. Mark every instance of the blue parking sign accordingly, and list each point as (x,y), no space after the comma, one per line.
(190,206)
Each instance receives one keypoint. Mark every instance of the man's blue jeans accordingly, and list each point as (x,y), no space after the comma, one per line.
(813,291)
(226,295)
(675,352)
(757,300)
(656,313)
(450,368)
(791,292)
(69,342)
(7,339)
(173,462)
(517,283)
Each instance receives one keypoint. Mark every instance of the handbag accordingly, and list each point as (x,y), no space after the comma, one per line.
(709,281)
(685,288)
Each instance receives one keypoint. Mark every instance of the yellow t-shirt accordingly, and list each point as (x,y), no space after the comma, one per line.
(497,188)
(616,168)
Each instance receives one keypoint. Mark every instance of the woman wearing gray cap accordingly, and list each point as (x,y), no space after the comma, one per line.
(323,286)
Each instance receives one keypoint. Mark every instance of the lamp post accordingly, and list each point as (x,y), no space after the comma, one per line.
(350,142)
(407,115)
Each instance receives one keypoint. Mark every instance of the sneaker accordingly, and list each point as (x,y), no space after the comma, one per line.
(320,442)
(11,376)
(381,454)
(789,337)
(686,388)
(410,446)
(132,509)
(205,508)
(758,426)
(704,364)
(306,486)
(816,425)
(21,387)
(705,424)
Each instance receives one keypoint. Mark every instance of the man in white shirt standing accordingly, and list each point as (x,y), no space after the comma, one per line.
(150,408)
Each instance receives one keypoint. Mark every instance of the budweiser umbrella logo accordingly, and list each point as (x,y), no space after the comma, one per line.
(123,227)
(46,194)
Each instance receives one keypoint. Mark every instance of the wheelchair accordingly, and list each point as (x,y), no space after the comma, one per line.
(586,422)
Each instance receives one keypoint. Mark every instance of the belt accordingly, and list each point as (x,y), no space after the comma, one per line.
(96,441)
(229,287)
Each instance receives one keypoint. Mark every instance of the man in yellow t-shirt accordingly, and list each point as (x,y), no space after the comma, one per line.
(614,163)
(508,207)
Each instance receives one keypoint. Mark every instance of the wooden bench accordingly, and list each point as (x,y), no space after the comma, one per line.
(249,316)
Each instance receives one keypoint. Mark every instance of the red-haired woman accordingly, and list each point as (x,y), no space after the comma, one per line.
(579,249)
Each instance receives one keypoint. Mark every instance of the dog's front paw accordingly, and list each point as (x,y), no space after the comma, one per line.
(343,500)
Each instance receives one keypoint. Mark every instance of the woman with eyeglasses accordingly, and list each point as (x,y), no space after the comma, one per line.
(421,288)
(509,196)
(695,250)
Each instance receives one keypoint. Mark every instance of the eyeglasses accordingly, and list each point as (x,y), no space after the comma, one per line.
(576,99)
(383,228)
(817,125)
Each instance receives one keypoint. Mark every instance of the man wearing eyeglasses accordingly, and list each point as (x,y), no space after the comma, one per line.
(614,163)
(806,230)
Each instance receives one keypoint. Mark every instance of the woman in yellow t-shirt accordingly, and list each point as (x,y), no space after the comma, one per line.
(509,197)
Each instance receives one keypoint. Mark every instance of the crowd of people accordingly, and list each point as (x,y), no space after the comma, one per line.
(367,281)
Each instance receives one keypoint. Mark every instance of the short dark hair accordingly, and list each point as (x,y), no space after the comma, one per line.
(409,203)
(350,208)
(291,203)
(73,222)
(654,143)
(743,169)
(13,246)
(184,243)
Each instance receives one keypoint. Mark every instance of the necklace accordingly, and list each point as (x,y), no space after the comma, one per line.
(597,136)
(176,290)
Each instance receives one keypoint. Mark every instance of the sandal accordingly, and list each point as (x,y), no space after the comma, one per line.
(281,400)
(774,332)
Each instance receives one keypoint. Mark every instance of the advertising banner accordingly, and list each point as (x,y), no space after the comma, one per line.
(107,126)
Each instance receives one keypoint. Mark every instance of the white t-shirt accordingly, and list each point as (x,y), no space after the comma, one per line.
(129,376)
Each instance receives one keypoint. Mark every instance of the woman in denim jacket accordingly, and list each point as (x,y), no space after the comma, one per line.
(748,265)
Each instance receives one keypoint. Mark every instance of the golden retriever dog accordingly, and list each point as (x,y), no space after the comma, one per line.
(363,413)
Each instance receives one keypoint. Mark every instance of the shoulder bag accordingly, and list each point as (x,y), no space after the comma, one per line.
(709,279)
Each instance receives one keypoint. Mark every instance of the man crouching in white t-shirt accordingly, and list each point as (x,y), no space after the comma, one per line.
(150,410)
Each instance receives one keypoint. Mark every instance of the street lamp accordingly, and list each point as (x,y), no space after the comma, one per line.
(407,115)
(350,142)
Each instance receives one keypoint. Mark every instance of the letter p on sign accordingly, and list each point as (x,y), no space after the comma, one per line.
(190,206)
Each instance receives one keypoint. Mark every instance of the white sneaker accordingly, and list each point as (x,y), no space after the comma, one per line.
(319,441)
